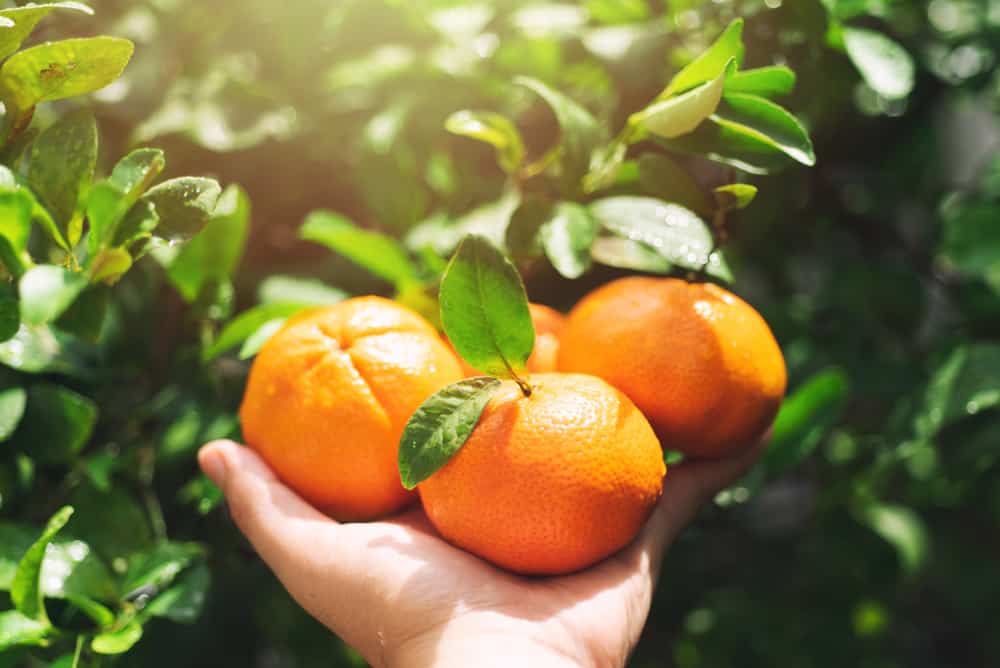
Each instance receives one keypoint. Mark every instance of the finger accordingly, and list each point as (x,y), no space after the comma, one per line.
(686,488)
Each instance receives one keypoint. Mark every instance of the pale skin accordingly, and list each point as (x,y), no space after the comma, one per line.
(404,598)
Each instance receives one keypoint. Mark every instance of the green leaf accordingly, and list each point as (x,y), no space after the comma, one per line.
(184,205)
(885,65)
(763,81)
(113,523)
(135,173)
(731,144)
(567,238)
(99,614)
(661,177)
(484,309)
(41,349)
(57,423)
(770,122)
(735,196)
(256,341)
(10,317)
(110,200)
(382,255)
(24,19)
(215,252)
(441,426)
(12,402)
(118,641)
(47,291)
(18,629)
(581,133)
(57,70)
(675,116)
(16,212)
(902,528)
(109,265)
(804,419)
(676,233)
(966,384)
(971,238)
(184,600)
(159,567)
(628,254)
(712,63)
(298,290)
(26,590)
(245,324)
(62,165)
(494,129)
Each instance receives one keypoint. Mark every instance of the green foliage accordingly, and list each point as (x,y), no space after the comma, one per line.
(421,123)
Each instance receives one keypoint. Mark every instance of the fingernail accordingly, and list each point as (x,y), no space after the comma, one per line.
(214,466)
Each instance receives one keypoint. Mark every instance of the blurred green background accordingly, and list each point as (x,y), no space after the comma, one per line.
(868,535)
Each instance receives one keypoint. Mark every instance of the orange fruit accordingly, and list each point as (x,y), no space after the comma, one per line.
(699,362)
(549,324)
(549,483)
(328,397)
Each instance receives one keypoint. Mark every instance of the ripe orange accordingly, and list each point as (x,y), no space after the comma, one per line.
(550,483)
(549,324)
(328,397)
(699,362)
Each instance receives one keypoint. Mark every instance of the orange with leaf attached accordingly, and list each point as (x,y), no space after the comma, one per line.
(552,482)
(699,362)
(328,397)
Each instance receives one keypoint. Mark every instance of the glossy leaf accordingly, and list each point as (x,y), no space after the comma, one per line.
(732,144)
(256,341)
(902,528)
(627,254)
(567,238)
(117,641)
(380,254)
(158,567)
(966,384)
(26,589)
(184,600)
(772,81)
(494,129)
(110,200)
(805,417)
(19,629)
(16,212)
(12,402)
(62,165)
(57,70)
(484,309)
(712,63)
(885,65)
(57,423)
(735,196)
(298,290)
(663,178)
(441,426)
(41,349)
(183,205)
(24,19)
(245,324)
(675,116)
(47,291)
(770,122)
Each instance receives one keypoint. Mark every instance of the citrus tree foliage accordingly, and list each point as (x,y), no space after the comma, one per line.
(837,161)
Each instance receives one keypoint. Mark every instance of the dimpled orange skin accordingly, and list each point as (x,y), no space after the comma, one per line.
(699,362)
(549,324)
(551,483)
(328,397)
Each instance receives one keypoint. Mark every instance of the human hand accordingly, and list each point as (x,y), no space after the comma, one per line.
(402,596)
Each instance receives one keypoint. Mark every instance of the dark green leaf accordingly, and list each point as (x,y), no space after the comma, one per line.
(805,417)
(581,133)
(62,165)
(764,81)
(85,318)
(628,254)
(567,238)
(661,177)
(118,641)
(157,568)
(183,205)
(381,255)
(110,200)
(675,116)
(522,236)
(494,129)
(41,349)
(184,600)
(902,528)
(99,614)
(24,20)
(710,64)
(735,196)
(484,309)
(26,589)
(732,144)
(885,65)
(971,238)
(216,251)
(12,402)
(770,122)
(10,317)
(441,426)
(676,233)
(112,523)
(57,423)
(966,384)
(47,291)
(70,568)
(246,323)
(57,70)
(18,629)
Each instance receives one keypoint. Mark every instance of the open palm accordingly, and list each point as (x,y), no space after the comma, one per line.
(403,596)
